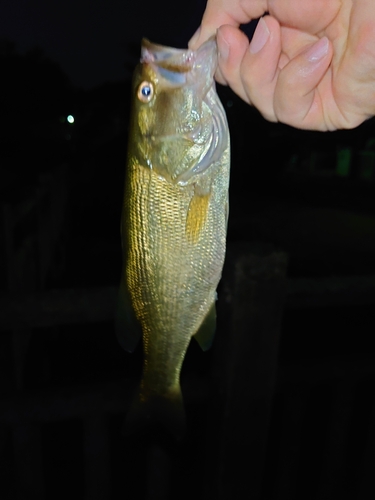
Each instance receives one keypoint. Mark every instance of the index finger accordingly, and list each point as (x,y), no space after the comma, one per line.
(232,12)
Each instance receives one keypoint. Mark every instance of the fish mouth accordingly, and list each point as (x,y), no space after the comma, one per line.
(180,66)
(169,58)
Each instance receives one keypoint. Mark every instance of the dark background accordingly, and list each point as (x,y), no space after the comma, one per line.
(92,40)
(307,194)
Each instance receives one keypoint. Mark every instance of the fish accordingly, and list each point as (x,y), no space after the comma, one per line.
(174,221)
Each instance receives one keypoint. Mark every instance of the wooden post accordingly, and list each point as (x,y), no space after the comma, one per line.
(28,461)
(97,458)
(158,473)
(366,488)
(20,344)
(333,477)
(20,337)
(245,373)
(290,444)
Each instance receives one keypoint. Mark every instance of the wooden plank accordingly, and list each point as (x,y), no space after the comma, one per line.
(68,306)
(81,401)
(67,403)
(312,373)
(330,291)
(58,307)
(28,461)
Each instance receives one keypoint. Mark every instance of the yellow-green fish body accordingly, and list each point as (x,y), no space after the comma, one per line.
(175,214)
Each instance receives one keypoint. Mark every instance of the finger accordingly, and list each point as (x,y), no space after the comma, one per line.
(355,90)
(221,12)
(296,99)
(208,29)
(260,66)
(311,17)
(232,45)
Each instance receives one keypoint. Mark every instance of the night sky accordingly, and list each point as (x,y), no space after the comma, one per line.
(96,42)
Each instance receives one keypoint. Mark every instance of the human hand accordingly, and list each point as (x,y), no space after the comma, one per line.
(310,64)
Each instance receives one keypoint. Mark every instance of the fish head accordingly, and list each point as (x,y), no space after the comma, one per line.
(176,110)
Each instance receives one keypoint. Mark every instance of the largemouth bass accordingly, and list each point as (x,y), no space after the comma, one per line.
(174,219)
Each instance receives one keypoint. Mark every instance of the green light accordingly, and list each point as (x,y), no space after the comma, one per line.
(70,119)
(343,162)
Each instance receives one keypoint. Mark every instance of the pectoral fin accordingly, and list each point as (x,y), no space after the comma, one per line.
(227,213)
(196,216)
(128,330)
(205,334)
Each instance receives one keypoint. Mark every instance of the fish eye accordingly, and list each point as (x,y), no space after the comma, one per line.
(145,91)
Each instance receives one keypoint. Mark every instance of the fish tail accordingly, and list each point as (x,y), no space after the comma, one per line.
(155,412)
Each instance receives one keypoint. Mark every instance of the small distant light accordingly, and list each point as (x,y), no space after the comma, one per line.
(70,119)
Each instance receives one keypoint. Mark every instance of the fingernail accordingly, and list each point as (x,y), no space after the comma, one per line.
(260,37)
(223,46)
(195,37)
(318,50)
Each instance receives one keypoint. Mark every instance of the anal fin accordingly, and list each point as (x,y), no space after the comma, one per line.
(205,334)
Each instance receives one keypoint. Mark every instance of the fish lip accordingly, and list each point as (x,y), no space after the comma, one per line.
(177,60)
(157,47)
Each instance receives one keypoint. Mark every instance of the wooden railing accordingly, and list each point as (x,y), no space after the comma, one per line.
(32,231)
(236,398)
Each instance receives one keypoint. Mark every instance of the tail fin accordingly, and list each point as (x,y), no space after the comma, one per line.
(164,411)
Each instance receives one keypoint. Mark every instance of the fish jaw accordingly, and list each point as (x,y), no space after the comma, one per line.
(182,66)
